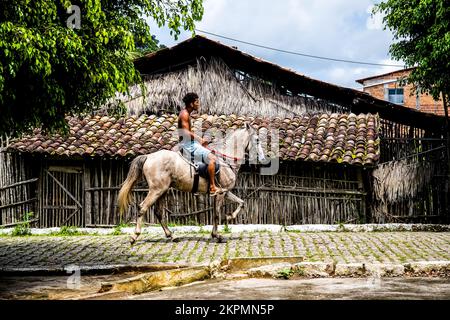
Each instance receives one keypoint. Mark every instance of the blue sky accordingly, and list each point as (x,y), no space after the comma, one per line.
(342,29)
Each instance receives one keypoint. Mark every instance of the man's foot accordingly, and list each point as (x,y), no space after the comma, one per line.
(216,191)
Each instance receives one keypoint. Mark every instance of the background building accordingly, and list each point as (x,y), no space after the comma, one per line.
(388,87)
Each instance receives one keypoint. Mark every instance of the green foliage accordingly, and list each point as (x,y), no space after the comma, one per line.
(421,29)
(118,229)
(49,70)
(285,273)
(226,229)
(23,228)
(68,231)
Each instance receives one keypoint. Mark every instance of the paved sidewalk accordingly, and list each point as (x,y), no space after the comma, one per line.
(56,252)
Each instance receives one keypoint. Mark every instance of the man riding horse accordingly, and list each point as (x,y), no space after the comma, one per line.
(166,169)
(194,145)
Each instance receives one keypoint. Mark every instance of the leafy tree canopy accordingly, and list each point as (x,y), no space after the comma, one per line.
(53,64)
(422,32)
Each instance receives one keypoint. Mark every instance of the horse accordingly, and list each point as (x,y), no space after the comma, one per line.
(166,168)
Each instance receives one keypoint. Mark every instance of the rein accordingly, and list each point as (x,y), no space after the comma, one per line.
(223,155)
(235,159)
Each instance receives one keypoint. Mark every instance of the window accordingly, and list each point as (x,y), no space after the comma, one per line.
(395,95)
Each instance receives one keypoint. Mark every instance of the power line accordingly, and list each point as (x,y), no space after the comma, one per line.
(301,54)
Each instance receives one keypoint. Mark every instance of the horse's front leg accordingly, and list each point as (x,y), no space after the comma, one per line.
(218,202)
(159,213)
(238,200)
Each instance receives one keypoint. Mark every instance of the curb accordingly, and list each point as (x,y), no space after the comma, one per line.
(158,279)
(157,230)
(378,270)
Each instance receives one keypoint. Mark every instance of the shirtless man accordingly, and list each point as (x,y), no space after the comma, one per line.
(194,144)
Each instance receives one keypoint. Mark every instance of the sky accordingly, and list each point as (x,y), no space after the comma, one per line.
(342,29)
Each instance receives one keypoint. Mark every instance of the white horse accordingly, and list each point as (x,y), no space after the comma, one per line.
(164,169)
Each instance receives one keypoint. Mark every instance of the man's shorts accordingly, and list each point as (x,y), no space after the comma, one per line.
(197,151)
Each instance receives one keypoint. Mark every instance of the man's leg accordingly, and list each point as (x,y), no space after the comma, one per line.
(212,172)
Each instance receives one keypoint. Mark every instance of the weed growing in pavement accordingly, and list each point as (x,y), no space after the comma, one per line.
(118,228)
(285,273)
(68,231)
(227,229)
(23,228)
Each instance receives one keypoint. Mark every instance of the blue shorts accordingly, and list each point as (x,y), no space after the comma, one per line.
(197,151)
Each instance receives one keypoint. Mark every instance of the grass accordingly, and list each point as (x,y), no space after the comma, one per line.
(167,255)
(24,227)
(285,273)
(68,231)
(202,253)
(179,255)
(226,229)
(272,246)
(294,244)
(193,250)
(190,223)
(227,250)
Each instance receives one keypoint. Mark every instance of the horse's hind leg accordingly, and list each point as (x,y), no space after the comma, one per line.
(149,200)
(238,200)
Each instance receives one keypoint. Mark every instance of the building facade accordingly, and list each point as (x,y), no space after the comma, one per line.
(388,87)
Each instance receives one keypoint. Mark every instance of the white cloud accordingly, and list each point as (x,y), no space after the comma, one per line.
(374,21)
(341,29)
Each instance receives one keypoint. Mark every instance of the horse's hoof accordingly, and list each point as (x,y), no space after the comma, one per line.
(172,239)
(220,239)
(133,238)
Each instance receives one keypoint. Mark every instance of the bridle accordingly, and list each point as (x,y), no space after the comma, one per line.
(233,167)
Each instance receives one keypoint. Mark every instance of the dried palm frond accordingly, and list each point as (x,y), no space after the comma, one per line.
(221,91)
(401,180)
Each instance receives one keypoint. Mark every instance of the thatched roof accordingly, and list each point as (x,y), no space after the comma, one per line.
(221,91)
(342,138)
(190,51)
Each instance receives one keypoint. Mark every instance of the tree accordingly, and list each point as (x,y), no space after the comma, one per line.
(147,48)
(60,58)
(421,29)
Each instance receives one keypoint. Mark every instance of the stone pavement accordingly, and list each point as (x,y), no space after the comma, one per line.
(57,252)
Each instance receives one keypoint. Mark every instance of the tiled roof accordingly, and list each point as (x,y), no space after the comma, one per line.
(346,138)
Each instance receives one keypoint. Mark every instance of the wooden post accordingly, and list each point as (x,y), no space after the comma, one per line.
(447,157)
(87,196)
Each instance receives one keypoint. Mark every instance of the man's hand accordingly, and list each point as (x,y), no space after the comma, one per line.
(203,142)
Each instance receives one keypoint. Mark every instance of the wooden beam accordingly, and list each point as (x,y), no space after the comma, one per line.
(18,203)
(306,190)
(17,223)
(65,169)
(19,183)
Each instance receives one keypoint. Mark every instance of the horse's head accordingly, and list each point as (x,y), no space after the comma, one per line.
(253,145)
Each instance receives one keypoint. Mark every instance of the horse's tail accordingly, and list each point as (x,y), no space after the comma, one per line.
(125,197)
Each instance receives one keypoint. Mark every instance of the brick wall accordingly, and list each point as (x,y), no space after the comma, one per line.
(426,102)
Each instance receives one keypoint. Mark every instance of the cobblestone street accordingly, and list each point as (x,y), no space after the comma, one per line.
(56,252)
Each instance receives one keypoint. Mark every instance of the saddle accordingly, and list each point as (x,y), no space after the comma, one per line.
(200,169)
